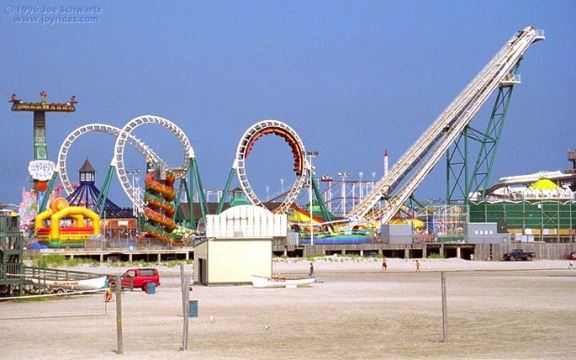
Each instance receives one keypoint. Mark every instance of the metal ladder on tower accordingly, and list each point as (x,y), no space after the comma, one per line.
(433,143)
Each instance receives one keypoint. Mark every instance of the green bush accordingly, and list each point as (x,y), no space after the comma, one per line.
(46,261)
(40,261)
(435,256)
(79,261)
(54,260)
(142,263)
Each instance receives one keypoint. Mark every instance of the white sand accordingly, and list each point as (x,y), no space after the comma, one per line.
(355,311)
(357,264)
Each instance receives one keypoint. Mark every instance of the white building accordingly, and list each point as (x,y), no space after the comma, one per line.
(238,245)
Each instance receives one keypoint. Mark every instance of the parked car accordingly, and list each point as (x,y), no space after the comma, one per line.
(138,278)
(519,254)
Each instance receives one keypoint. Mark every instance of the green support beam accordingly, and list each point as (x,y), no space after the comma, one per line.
(201,193)
(191,196)
(184,188)
(489,144)
(225,191)
(195,182)
(48,191)
(459,183)
(101,201)
(457,169)
(326,215)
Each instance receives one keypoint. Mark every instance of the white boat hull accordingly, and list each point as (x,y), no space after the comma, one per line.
(280,282)
(84,284)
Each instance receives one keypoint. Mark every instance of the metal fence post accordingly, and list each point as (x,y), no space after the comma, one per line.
(444,309)
(185,311)
(182,280)
(119,315)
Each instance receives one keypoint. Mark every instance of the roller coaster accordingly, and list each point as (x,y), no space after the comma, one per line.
(391,191)
(301,167)
(156,204)
(422,156)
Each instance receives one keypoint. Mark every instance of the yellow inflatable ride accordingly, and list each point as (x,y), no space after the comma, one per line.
(67,225)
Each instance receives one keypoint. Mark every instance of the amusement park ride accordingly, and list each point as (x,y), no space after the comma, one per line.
(422,156)
(160,205)
(40,168)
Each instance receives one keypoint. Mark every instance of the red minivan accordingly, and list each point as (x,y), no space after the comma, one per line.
(139,278)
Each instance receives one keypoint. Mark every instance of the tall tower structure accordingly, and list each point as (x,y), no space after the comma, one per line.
(40,168)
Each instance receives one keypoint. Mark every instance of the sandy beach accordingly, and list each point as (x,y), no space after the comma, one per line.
(356,310)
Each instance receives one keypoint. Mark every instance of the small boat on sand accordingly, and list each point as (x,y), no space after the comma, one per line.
(279,282)
(64,280)
(94,283)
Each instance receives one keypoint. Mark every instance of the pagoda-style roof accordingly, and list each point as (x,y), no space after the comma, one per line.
(87,167)
(87,194)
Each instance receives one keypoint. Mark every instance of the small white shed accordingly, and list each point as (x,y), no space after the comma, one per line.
(238,245)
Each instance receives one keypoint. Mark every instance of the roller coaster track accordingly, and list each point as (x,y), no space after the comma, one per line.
(140,146)
(423,155)
(124,138)
(160,208)
(300,166)
(157,206)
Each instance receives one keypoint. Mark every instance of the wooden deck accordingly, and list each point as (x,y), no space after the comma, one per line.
(405,251)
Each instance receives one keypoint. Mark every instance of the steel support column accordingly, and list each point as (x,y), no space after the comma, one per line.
(459,183)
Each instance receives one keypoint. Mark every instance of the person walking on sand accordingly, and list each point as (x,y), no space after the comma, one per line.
(417,265)
(384,264)
(311,273)
(108,294)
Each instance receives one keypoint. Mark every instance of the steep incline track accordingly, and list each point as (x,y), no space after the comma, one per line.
(423,155)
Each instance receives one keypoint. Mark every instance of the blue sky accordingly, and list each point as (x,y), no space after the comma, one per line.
(353,78)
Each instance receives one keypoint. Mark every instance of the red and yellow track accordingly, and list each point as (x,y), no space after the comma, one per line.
(159,209)
(289,137)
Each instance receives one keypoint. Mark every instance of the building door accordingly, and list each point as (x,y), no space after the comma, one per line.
(203,273)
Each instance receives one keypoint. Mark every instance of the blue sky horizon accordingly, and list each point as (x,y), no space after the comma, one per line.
(352,78)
